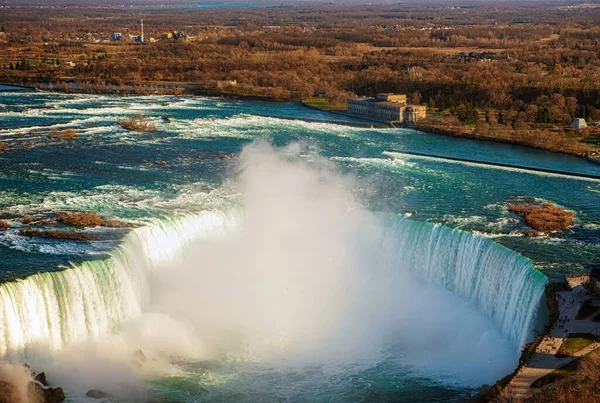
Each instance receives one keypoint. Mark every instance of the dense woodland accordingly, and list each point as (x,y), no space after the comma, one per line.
(529,67)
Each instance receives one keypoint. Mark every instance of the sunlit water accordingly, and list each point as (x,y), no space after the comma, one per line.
(114,172)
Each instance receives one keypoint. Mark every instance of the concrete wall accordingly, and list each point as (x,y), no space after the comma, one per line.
(387,110)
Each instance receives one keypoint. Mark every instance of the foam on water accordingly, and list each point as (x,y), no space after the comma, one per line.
(399,155)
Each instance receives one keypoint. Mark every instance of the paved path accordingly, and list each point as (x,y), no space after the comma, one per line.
(539,366)
(543,361)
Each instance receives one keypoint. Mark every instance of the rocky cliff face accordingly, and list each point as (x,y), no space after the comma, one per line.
(20,385)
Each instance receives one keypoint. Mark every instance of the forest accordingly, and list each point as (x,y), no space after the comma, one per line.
(504,67)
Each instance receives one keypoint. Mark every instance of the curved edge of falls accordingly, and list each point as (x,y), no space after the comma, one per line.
(499,282)
(52,309)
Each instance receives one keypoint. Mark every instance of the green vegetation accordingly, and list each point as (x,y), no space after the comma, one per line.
(323,104)
(575,342)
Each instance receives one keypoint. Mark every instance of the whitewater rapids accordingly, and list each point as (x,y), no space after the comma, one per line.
(300,272)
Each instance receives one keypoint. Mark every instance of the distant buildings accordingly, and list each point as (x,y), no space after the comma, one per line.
(142,39)
(388,107)
(476,57)
(579,123)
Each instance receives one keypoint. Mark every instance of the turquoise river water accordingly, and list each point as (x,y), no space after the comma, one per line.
(274,259)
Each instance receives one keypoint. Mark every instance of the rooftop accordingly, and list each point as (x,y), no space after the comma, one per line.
(376,101)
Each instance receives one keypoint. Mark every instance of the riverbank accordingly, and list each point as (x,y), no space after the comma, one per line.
(540,139)
(157,88)
(534,138)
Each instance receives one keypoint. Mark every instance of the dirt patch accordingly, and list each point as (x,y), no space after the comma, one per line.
(63,135)
(90,219)
(138,123)
(545,217)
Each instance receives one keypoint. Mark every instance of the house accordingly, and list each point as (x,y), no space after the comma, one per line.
(578,123)
(387,107)
(594,282)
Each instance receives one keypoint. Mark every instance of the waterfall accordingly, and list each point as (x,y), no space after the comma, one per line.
(499,282)
(50,310)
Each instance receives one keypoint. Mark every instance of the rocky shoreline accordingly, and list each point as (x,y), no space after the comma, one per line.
(473,135)
(18,384)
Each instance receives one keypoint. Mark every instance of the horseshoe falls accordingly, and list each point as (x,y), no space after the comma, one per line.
(53,309)
(92,298)
(499,282)
(272,259)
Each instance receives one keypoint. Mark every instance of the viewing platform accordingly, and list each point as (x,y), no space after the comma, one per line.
(548,355)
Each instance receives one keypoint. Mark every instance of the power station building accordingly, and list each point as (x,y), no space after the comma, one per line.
(388,107)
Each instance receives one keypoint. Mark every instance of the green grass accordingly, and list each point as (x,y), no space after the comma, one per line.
(575,342)
(563,372)
(323,104)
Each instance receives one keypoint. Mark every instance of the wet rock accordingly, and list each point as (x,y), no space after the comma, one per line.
(224,157)
(166,119)
(96,394)
(140,356)
(54,395)
(37,393)
(160,162)
(41,378)
(56,234)
(27,219)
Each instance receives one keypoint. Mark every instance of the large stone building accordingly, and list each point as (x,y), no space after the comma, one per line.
(388,107)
